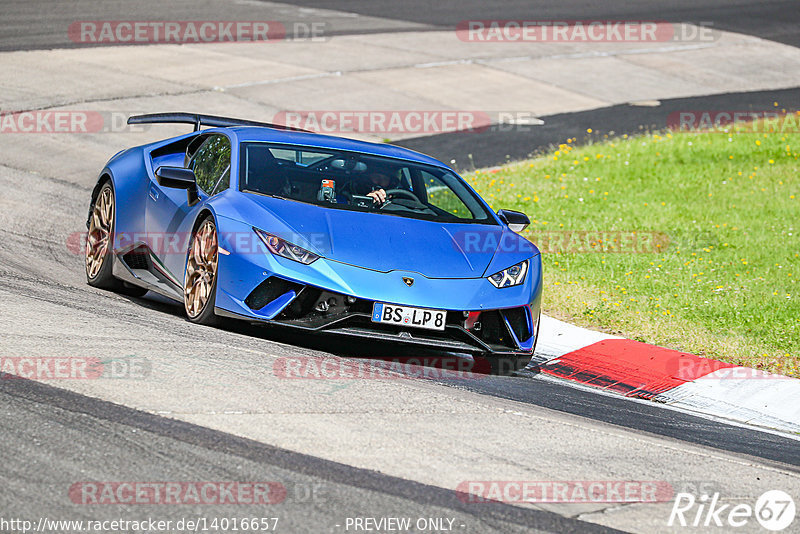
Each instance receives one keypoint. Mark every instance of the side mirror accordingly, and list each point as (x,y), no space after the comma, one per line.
(179,178)
(516,220)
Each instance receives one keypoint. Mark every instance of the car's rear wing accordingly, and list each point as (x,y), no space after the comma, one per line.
(203,120)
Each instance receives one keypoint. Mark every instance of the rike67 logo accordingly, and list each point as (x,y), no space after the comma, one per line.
(774,510)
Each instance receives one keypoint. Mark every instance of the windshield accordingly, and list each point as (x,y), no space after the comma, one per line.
(352,181)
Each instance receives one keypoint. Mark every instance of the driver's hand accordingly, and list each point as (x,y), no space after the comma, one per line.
(378,196)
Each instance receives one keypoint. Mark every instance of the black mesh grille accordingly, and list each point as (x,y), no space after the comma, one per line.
(136,259)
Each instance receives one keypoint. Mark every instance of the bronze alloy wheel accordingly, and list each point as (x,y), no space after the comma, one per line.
(100,228)
(201,269)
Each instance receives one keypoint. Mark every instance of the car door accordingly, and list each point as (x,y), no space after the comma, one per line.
(168,208)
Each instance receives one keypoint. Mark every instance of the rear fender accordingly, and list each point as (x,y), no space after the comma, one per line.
(128,177)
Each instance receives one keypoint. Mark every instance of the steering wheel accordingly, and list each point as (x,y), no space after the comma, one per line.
(401,193)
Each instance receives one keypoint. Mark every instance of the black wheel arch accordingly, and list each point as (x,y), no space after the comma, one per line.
(202,215)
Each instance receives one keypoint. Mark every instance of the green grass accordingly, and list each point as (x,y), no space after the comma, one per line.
(726,210)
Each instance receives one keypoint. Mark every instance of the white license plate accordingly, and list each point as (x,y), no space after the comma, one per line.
(408,316)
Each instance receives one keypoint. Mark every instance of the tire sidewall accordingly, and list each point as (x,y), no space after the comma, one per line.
(207,316)
(104,278)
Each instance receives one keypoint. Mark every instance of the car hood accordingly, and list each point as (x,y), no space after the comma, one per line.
(384,242)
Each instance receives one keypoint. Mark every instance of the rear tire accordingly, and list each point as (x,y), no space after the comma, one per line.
(98,254)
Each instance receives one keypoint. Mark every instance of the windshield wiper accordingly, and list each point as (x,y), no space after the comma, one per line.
(273,195)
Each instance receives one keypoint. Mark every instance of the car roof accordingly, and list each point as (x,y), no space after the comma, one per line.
(271,135)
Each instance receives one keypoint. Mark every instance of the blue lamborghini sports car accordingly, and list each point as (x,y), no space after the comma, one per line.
(267,224)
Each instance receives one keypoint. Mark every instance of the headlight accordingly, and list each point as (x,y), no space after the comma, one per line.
(513,276)
(281,247)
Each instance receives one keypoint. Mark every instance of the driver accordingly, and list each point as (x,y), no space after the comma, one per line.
(374,186)
(380,183)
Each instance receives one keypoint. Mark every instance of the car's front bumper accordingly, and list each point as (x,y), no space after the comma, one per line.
(481,318)
(457,335)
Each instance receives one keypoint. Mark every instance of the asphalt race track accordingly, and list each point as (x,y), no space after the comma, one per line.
(28,25)
(773,20)
(209,405)
(75,423)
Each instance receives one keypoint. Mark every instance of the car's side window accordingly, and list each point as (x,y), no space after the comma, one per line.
(443,197)
(223,182)
(299,157)
(211,164)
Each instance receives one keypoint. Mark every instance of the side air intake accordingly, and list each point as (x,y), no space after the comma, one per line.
(269,290)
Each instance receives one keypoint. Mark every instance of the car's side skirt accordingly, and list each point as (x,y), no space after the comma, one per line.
(146,271)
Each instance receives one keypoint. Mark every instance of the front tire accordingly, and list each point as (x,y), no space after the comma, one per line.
(200,279)
(98,254)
